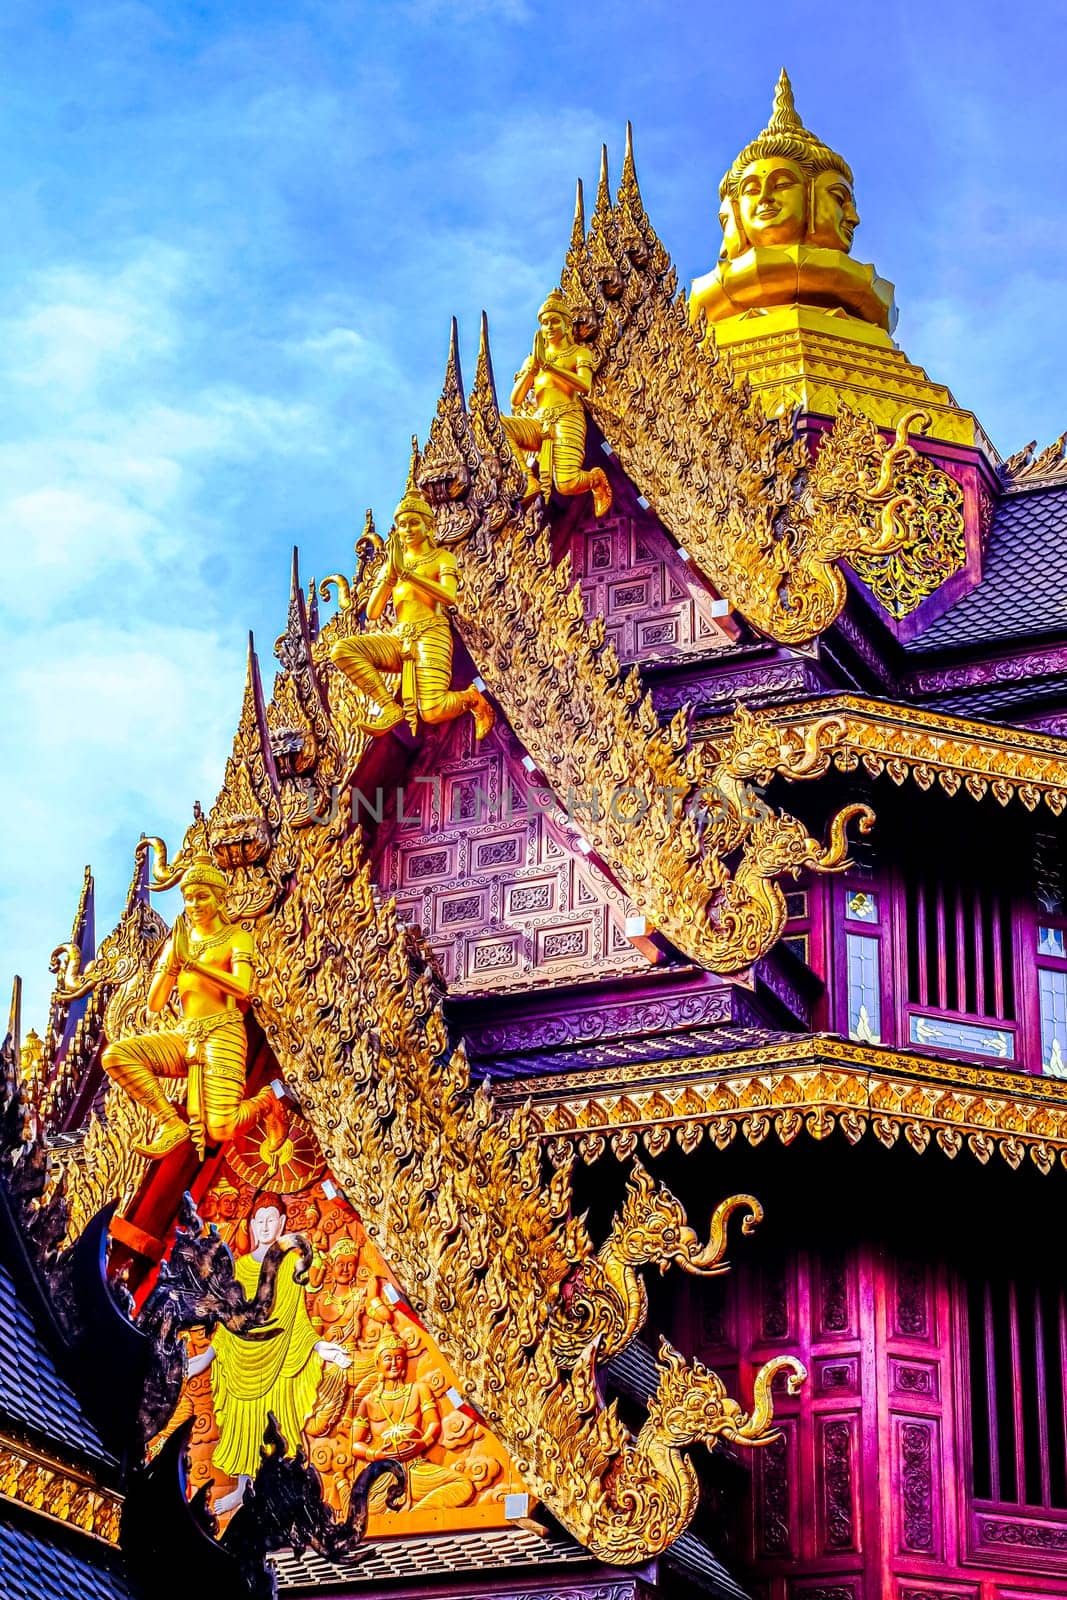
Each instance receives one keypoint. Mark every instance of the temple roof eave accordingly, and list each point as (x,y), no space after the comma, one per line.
(905,740)
(814,1084)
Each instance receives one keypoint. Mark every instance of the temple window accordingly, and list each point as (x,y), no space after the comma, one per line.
(864,988)
(1052,998)
(1017,1330)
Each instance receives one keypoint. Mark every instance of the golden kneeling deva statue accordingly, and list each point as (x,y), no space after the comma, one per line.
(550,438)
(208,961)
(419,576)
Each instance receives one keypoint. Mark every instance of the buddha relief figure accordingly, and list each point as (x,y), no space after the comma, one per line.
(400,1418)
(788,216)
(207,963)
(549,438)
(419,577)
(278,1372)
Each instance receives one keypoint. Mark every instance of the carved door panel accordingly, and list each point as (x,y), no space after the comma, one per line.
(915,1361)
(813,1535)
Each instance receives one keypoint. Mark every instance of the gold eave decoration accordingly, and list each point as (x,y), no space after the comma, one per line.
(697,850)
(737,489)
(58,1491)
(903,741)
(815,1086)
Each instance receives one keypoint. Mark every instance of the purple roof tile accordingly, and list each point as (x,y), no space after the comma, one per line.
(1023,591)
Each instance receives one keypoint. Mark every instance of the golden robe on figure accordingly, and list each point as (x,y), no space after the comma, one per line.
(250,1377)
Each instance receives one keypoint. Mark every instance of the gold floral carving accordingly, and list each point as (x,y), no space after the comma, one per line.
(58,1491)
(978,757)
(452,1193)
(815,1086)
(737,489)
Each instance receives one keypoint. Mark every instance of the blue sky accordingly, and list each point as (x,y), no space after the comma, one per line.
(236,232)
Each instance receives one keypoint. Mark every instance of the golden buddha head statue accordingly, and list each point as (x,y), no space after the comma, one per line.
(787,188)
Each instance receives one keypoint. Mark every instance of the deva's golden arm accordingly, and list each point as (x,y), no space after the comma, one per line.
(523,381)
(580,379)
(164,974)
(237,984)
(443,592)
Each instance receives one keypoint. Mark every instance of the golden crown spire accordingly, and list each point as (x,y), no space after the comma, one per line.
(784,111)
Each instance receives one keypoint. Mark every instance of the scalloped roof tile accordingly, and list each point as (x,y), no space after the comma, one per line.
(32,1393)
(1023,591)
(34,1568)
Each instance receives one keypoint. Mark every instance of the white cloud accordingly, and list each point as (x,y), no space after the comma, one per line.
(116,731)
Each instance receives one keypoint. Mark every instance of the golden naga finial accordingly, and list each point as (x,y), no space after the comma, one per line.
(788,216)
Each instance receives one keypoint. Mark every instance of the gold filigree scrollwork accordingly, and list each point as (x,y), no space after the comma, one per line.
(888,492)
(452,1193)
(301,736)
(738,490)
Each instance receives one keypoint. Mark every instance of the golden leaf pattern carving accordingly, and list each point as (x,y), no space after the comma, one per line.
(452,1193)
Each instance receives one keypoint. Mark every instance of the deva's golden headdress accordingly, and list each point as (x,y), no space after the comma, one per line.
(203,870)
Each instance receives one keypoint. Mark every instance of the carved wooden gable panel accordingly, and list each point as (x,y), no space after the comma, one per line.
(461,1479)
(655,606)
(483,858)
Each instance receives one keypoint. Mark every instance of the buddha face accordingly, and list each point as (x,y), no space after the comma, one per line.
(266,1224)
(835,216)
(201,904)
(733,244)
(392,1361)
(772,199)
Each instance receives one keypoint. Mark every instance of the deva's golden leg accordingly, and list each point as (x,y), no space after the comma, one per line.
(525,436)
(433,674)
(136,1065)
(218,1108)
(363,660)
(568,436)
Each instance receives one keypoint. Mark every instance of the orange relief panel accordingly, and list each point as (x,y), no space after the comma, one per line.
(347,1369)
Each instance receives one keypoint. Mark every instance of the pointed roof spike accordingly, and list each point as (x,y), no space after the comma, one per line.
(484,378)
(628,152)
(453,370)
(578,226)
(13,1038)
(603,191)
(294,581)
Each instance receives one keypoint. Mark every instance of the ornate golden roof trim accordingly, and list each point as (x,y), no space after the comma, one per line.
(453,1194)
(906,741)
(815,1084)
(58,1491)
